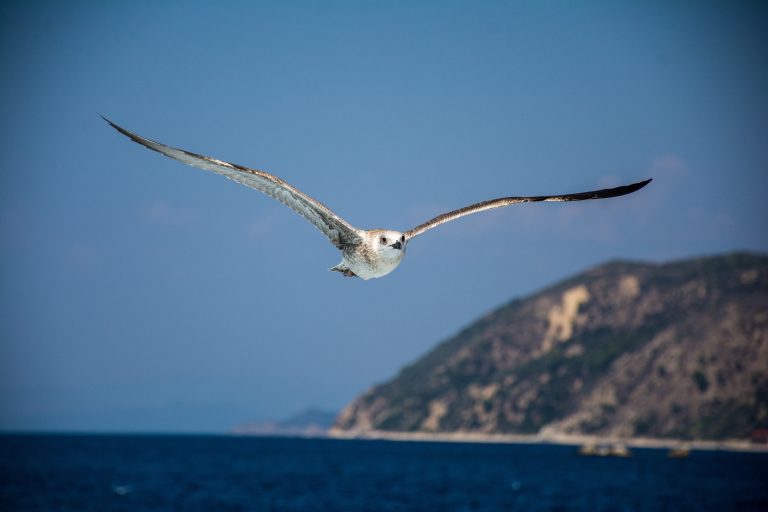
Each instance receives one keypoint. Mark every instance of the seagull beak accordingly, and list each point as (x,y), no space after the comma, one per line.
(397,245)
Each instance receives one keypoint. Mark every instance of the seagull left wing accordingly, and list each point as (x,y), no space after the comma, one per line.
(338,231)
(506,201)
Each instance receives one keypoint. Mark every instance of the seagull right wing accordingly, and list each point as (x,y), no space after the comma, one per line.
(339,231)
(506,201)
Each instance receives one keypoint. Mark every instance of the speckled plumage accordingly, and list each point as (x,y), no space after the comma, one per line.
(365,253)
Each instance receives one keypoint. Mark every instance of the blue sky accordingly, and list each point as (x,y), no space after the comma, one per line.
(138,294)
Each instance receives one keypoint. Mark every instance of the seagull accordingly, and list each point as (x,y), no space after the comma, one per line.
(365,253)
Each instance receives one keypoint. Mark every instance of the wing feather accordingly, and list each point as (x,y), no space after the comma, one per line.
(506,201)
(339,231)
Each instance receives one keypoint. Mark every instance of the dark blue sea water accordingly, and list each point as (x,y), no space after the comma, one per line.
(142,473)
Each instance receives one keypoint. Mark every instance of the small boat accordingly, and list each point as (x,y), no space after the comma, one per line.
(588,450)
(679,453)
(604,450)
(620,450)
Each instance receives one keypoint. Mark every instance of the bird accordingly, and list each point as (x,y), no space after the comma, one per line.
(365,253)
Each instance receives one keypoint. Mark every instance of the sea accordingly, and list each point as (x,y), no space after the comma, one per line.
(228,473)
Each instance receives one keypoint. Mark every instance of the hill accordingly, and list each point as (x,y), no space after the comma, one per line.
(306,423)
(625,349)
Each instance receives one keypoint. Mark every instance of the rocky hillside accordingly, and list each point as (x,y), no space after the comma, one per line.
(625,349)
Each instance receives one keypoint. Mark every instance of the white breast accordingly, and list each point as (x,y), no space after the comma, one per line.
(365,269)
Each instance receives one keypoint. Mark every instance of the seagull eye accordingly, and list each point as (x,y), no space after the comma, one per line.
(402,238)
(383,241)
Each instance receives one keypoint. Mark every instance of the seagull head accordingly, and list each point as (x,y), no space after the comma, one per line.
(387,243)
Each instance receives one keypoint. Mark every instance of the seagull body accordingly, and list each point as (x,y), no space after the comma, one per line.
(365,253)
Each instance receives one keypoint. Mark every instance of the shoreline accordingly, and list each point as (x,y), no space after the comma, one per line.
(736,445)
(732,445)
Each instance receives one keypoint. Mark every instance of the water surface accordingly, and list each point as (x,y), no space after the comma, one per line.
(143,473)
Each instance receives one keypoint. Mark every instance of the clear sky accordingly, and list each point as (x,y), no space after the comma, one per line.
(139,294)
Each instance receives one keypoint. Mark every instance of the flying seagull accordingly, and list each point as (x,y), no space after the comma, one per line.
(364,253)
